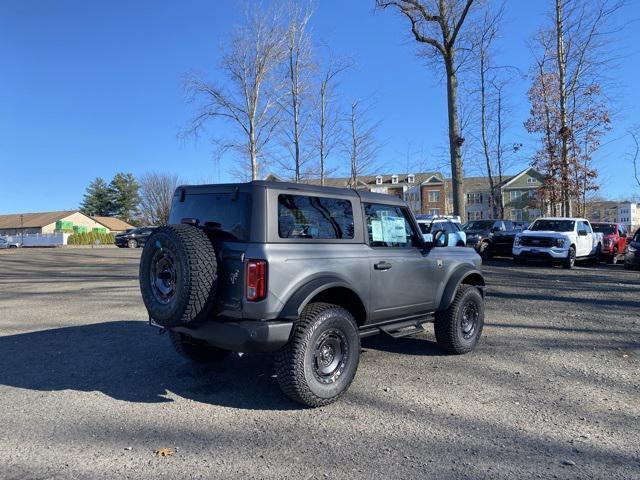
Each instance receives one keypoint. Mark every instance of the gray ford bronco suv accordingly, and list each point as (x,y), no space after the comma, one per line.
(304,271)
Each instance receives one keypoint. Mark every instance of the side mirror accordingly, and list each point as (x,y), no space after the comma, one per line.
(440,238)
(582,233)
(428,239)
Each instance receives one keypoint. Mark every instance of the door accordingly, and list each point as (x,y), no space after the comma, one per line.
(402,272)
(585,242)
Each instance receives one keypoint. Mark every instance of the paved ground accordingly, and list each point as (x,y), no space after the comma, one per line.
(87,390)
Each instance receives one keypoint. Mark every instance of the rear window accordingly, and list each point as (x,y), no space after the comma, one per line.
(606,229)
(227,216)
(306,217)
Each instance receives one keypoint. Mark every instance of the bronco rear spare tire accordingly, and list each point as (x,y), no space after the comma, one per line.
(178,275)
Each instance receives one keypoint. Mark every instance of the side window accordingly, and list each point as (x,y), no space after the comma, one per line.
(389,226)
(587,227)
(301,216)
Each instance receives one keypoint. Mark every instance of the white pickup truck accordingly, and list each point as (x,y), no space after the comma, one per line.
(563,240)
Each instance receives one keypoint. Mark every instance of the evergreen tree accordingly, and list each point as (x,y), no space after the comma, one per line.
(124,196)
(97,199)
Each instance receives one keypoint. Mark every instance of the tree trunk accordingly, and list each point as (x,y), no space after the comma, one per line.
(564,130)
(322,132)
(455,140)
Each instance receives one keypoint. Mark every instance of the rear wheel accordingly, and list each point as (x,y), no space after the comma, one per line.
(196,350)
(458,329)
(132,243)
(320,361)
(570,261)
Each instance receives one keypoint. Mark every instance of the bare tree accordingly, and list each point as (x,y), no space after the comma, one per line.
(156,193)
(492,122)
(634,136)
(362,146)
(328,122)
(249,99)
(438,23)
(568,103)
(299,67)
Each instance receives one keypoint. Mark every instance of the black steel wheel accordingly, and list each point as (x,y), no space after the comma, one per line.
(459,328)
(320,361)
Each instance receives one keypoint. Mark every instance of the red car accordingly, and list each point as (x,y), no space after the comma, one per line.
(615,240)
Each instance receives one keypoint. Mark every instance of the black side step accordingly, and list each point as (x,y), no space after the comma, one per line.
(401,330)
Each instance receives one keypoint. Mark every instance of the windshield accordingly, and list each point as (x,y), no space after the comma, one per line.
(478,225)
(605,229)
(553,225)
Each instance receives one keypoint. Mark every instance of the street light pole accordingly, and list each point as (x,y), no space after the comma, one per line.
(21,229)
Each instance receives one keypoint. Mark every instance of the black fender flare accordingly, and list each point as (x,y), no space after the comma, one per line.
(459,275)
(299,299)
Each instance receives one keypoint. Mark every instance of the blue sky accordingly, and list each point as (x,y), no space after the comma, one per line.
(88,89)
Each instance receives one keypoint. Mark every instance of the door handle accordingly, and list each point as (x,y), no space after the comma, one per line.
(382,266)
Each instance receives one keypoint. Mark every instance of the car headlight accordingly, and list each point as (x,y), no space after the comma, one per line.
(516,241)
(559,242)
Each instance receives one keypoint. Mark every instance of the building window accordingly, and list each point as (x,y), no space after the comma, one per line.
(474,216)
(474,198)
(531,180)
(379,180)
(515,195)
(434,196)
(434,211)
(533,194)
(394,179)
(411,178)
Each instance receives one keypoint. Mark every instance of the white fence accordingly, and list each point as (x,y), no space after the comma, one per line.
(41,239)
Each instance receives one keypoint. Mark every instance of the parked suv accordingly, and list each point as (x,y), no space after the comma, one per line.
(8,242)
(491,237)
(563,240)
(614,242)
(305,271)
(134,237)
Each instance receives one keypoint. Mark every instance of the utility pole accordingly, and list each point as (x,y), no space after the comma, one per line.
(21,230)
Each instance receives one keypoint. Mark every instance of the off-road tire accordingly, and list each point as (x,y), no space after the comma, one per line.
(485,251)
(569,262)
(195,280)
(195,350)
(132,243)
(296,362)
(448,324)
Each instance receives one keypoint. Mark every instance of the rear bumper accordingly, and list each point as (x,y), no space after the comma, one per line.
(243,336)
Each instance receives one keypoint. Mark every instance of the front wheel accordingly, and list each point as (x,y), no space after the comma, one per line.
(485,251)
(570,261)
(132,243)
(320,361)
(459,327)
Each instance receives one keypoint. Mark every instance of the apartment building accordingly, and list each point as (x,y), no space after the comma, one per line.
(615,212)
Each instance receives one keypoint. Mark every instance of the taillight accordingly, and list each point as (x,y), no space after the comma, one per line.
(255,277)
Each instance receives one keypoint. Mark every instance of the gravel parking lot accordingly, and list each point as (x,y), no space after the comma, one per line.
(88,390)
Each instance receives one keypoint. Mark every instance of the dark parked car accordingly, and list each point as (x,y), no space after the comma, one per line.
(632,257)
(134,237)
(305,271)
(491,237)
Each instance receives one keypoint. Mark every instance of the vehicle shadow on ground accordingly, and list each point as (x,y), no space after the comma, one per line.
(129,361)
(414,345)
